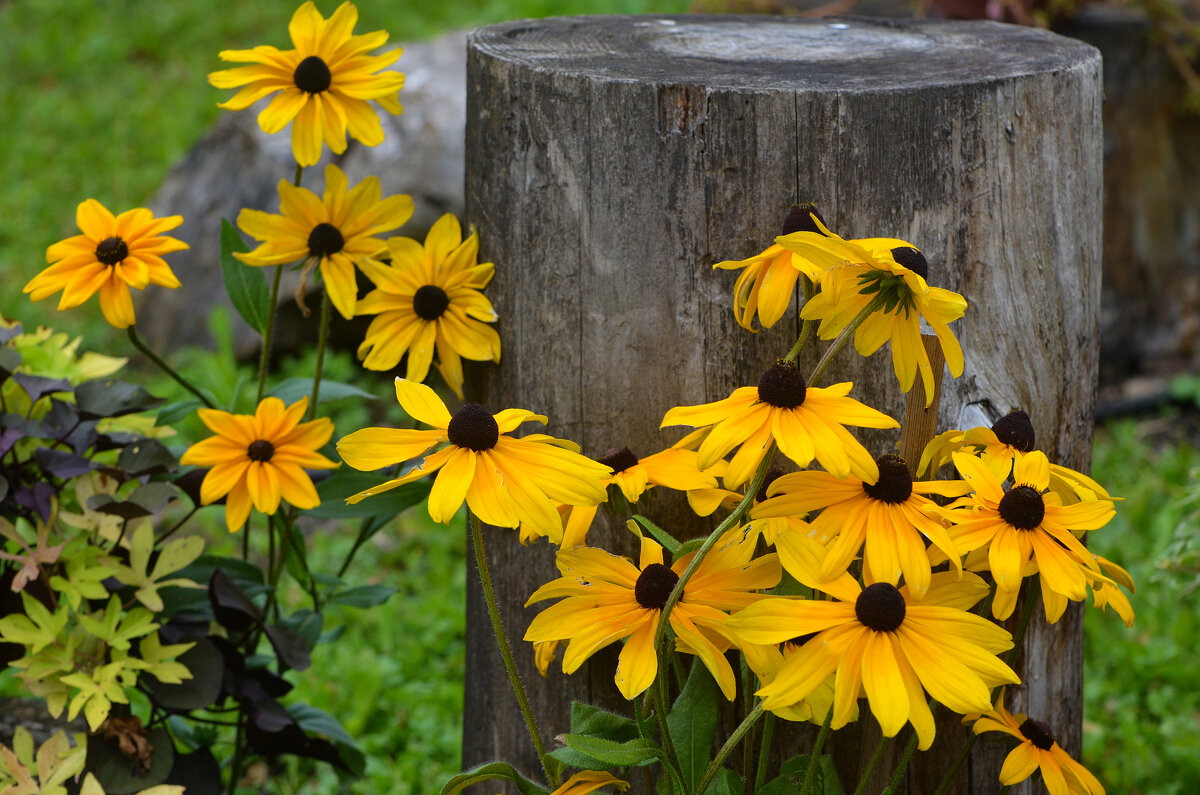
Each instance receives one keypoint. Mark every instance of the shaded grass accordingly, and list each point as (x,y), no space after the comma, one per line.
(1141,691)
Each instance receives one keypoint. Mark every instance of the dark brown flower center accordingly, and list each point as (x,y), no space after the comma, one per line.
(1015,430)
(1037,733)
(880,607)
(473,428)
(260,450)
(112,250)
(619,460)
(771,476)
(913,260)
(782,386)
(800,220)
(430,302)
(312,75)
(654,585)
(1022,507)
(325,239)
(895,481)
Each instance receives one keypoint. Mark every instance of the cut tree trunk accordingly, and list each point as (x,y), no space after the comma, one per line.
(612,160)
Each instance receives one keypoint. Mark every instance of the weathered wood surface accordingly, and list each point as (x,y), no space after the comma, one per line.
(611,161)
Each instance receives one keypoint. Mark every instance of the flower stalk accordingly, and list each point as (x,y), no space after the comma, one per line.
(166,368)
(510,665)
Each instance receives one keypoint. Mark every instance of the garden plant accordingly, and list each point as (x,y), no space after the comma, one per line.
(848,576)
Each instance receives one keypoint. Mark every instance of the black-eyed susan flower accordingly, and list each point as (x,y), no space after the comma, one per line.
(1025,525)
(1036,751)
(506,481)
(767,661)
(896,271)
(889,517)
(426,301)
(260,459)
(334,232)
(673,468)
(112,255)
(805,422)
(609,598)
(588,781)
(768,280)
(890,645)
(1009,438)
(325,84)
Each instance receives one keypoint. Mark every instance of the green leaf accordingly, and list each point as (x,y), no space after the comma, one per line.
(490,772)
(174,412)
(627,754)
(692,723)
(246,284)
(726,782)
(661,536)
(363,595)
(344,483)
(792,773)
(292,389)
(596,722)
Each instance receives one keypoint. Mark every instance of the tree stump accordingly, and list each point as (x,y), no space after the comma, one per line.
(612,160)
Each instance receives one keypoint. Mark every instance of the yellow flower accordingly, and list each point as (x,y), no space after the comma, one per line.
(588,781)
(767,661)
(888,644)
(324,85)
(888,516)
(337,231)
(429,299)
(1009,438)
(897,271)
(258,460)
(505,481)
(768,280)
(608,598)
(112,255)
(1023,525)
(1038,750)
(674,468)
(806,423)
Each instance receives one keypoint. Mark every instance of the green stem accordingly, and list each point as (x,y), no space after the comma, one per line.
(871,763)
(265,359)
(843,338)
(809,776)
(730,521)
(326,306)
(806,328)
(364,531)
(235,767)
(764,752)
(1031,600)
(726,749)
(902,765)
(510,665)
(166,368)
(671,763)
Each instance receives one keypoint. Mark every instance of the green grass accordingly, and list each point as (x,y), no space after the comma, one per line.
(101,99)
(1142,702)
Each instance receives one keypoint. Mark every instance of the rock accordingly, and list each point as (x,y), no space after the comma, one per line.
(236,165)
